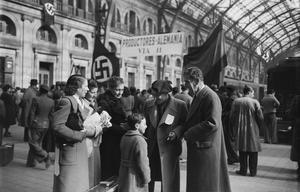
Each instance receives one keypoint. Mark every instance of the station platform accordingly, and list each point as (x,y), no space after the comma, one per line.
(276,173)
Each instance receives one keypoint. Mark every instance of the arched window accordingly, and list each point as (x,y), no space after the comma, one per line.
(81,42)
(45,33)
(178,62)
(132,22)
(112,47)
(116,18)
(189,41)
(7,26)
(149,27)
(91,7)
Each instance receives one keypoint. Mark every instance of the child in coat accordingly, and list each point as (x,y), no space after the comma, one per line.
(134,172)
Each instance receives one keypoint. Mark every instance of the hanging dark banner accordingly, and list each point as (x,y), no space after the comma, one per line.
(49,11)
(105,64)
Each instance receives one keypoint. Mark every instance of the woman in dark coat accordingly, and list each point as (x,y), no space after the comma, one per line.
(295,114)
(10,107)
(110,153)
(71,167)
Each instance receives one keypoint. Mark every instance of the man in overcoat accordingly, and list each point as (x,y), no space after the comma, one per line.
(29,94)
(165,116)
(247,119)
(206,153)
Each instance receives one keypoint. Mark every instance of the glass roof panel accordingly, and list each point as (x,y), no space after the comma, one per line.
(268,21)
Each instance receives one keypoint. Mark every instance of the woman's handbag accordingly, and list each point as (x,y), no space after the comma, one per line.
(75,120)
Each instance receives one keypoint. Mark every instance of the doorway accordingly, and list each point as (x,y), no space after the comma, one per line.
(46,73)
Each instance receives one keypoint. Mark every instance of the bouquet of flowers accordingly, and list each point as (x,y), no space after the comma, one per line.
(96,122)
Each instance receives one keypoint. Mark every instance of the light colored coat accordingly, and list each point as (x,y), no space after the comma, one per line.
(157,132)
(73,158)
(206,153)
(247,118)
(134,173)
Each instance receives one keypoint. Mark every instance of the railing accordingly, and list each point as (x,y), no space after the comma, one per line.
(89,16)
(80,13)
(71,10)
(58,6)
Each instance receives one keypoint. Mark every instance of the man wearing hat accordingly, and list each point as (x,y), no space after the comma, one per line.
(29,94)
(39,122)
(165,116)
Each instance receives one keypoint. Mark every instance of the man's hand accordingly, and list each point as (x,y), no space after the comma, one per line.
(172,136)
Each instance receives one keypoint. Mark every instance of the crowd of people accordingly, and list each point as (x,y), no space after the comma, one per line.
(139,135)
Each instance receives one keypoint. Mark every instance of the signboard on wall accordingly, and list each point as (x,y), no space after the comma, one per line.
(158,44)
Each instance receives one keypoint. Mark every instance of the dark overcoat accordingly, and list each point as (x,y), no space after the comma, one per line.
(134,174)
(111,138)
(157,132)
(206,153)
(72,173)
(295,115)
(10,107)
(29,94)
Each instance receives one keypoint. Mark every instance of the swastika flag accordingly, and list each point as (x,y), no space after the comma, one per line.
(49,12)
(105,64)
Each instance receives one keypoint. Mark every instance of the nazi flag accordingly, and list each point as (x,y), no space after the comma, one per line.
(105,64)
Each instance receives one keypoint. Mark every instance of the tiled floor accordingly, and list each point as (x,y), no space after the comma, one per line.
(276,173)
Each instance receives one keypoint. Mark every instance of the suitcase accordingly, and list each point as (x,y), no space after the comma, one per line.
(6,154)
(109,185)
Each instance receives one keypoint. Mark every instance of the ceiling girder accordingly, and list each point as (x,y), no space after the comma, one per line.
(295,39)
(250,34)
(281,38)
(245,15)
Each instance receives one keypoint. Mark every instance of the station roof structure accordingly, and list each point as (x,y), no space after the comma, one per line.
(269,26)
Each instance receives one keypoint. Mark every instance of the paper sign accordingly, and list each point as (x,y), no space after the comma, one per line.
(169,119)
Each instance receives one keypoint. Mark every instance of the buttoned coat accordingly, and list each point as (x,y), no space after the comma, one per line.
(247,118)
(134,173)
(73,158)
(206,153)
(157,132)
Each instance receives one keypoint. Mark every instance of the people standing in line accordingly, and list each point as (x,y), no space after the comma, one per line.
(206,153)
(134,173)
(39,121)
(110,152)
(269,105)
(184,96)
(128,101)
(165,117)
(2,115)
(294,113)
(229,132)
(10,108)
(71,159)
(94,158)
(29,94)
(247,118)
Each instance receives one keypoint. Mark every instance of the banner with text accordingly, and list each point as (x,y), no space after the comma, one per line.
(159,44)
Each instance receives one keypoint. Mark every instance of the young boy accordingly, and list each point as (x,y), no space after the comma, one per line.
(134,173)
